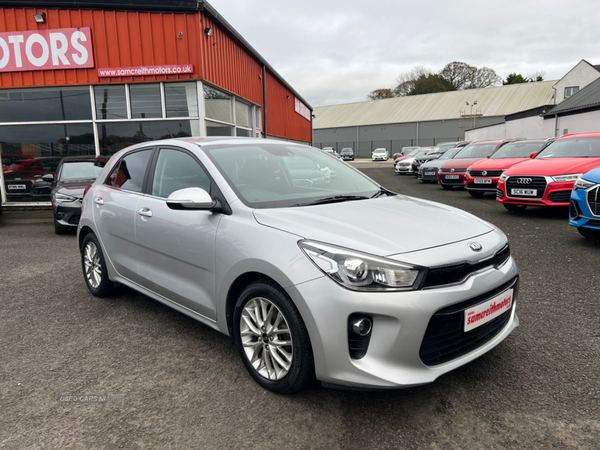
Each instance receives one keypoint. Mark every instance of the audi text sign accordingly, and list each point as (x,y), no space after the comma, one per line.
(61,48)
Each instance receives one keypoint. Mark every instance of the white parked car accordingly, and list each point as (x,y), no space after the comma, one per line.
(405,165)
(380,154)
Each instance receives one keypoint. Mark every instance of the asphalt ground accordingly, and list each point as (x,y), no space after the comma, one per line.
(170,382)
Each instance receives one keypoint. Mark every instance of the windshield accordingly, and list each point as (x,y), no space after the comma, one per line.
(519,149)
(588,147)
(422,153)
(476,151)
(281,175)
(450,153)
(346,150)
(380,150)
(77,170)
(442,148)
(413,152)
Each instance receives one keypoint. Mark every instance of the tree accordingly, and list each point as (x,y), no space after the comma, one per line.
(485,77)
(459,74)
(428,84)
(536,76)
(380,94)
(514,78)
(405,83)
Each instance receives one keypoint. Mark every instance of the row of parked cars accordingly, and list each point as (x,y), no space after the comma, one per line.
(563,172)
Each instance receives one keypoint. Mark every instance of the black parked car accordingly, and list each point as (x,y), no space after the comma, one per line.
(73,176)
(347,154)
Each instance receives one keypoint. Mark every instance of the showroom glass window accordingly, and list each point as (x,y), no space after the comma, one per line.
(111,102)
(181,99)
(45,104)
(145,101)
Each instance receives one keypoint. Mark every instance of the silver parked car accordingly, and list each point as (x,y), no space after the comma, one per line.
(310,280)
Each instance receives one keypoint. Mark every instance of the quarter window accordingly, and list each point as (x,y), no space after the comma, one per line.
(129,174)
(177,170)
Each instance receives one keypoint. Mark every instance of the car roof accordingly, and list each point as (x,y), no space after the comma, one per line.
(579,135)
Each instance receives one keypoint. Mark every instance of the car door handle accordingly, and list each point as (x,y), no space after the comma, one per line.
(146,212)
(99,201)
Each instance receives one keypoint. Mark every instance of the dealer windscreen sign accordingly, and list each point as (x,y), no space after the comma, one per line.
(61,48)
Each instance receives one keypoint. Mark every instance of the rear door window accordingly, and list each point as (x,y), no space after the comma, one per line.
(129,173)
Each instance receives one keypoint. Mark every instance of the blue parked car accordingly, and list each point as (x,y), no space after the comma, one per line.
(584,211)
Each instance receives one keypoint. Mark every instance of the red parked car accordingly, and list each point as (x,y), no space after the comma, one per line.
(452,172)
(548,178)
(483,176)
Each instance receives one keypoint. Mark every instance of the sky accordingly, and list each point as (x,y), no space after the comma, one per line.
(337,51)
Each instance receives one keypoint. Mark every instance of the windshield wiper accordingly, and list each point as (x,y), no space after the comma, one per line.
(333,199)
(382,191)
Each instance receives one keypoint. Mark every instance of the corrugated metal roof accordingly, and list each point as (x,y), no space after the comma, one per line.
(492,101)
(585,98)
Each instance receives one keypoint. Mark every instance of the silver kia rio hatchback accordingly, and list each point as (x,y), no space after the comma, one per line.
(334,278)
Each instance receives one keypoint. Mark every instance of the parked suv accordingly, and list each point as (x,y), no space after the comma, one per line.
(585,204)
(548,178)
(299,277)
(483,176)
(452,173)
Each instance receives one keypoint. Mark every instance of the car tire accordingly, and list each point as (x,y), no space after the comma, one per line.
(477,193)
(292,369)
(589,233)
(58,228)
(447,186)
(514,208)
(94,269)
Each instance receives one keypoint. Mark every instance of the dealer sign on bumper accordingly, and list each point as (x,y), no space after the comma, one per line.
(489,310)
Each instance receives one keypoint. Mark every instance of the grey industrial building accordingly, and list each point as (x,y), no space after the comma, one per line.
(422,120)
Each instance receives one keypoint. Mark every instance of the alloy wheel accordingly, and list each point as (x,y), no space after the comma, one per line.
(266,338)
(93,267)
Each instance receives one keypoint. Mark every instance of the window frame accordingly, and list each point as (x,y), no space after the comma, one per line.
(117,166)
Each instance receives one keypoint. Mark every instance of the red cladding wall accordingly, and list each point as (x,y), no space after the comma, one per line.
(129,39)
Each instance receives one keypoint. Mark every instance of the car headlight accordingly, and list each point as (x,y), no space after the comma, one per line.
(360,271)
(582,183)
(503,177)
(59,198)
(570,177)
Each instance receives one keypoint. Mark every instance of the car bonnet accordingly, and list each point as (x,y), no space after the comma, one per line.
(382,226)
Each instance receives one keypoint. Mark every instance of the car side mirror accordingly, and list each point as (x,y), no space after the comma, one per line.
(191,198)
(533,154)
(48,178)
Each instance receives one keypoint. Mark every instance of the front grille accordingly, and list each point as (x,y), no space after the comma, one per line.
(74,220)
(538,183)
(455,170)
(488,173)
(593,200)
(455,273)
(593,223)
(445,339)
(487,187)
(499,194)
(560,196)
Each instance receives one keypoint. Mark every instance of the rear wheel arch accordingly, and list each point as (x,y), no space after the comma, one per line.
(83,233)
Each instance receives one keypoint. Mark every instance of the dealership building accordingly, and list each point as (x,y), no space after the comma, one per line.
(84,77)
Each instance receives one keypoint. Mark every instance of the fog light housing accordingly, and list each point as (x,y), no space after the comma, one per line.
(360,327)
(574,211)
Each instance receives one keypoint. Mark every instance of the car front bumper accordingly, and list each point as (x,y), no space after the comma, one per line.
(580,214)
(400,321)
(460,181)
(553,194)
(471,183)
(68,213)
